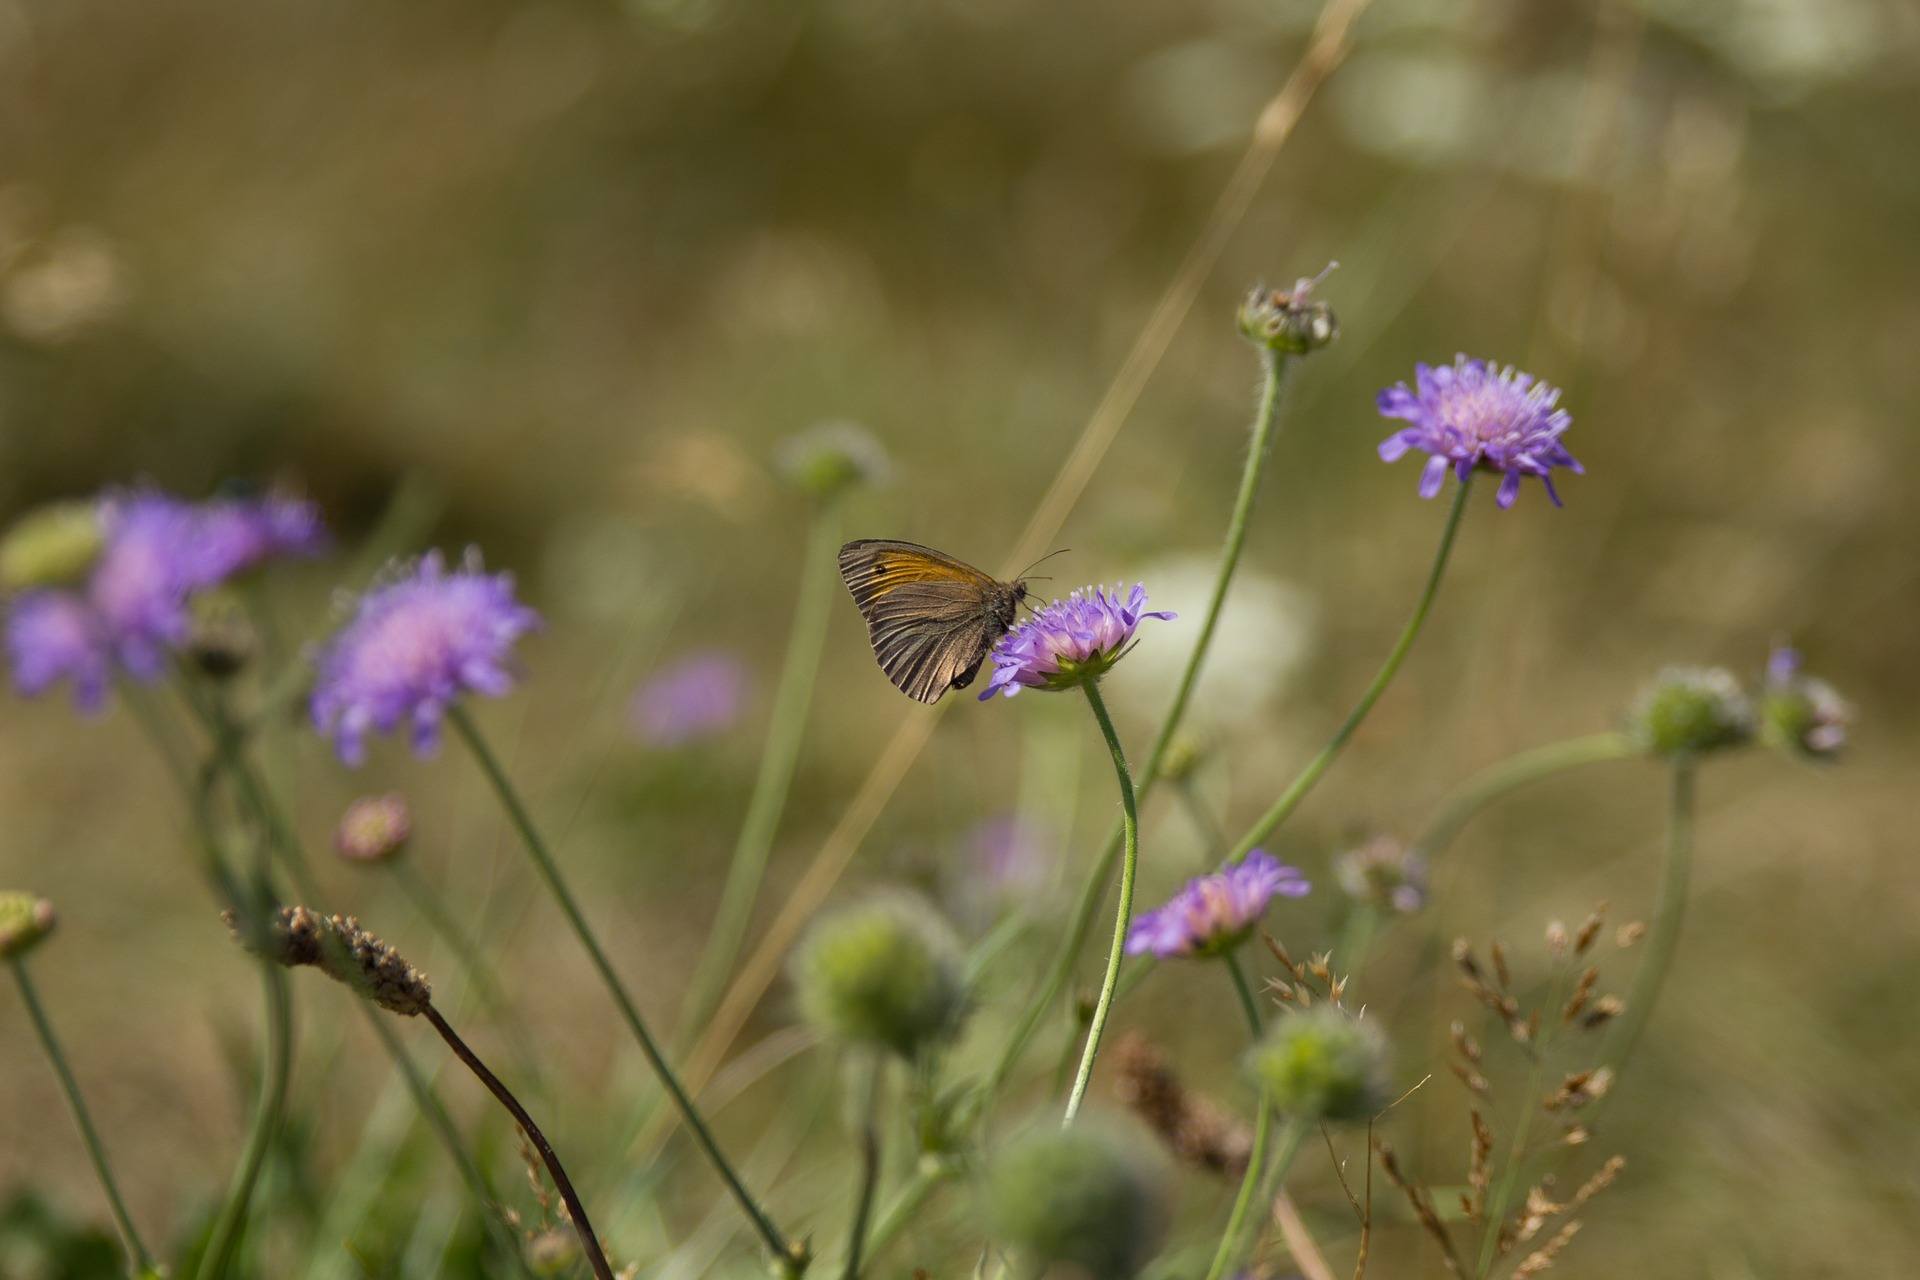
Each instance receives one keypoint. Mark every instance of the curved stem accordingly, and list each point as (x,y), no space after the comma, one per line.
(1265,426)
(442,1124)
(1466,801)
(1664,936)
(869,1167)
(602,1269)
(805,643)
(1299,788)
(139,1261)
(790,1256)
(1130,818)
(224,1242)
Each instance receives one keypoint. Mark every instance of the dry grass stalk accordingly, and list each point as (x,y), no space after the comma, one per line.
(1479,1167)
(1580,1088)
(1590,930)
(1542,1258)
(1422,1206)
(341,949)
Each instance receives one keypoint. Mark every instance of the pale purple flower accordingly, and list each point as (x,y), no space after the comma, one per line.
(1069,641)
(415,643)
(56,635)
(698,697)
(374,828)
(1008,854)
(1472,414)
(238,534)
(151,563)
(1384,873)
(1213,914)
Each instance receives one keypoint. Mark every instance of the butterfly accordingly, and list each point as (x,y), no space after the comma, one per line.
(931,618)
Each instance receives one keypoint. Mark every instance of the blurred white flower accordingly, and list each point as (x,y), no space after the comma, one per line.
(1266,634)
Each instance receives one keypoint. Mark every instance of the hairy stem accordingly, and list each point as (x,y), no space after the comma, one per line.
(1123,915)
(576,1211)
(805,642)
(1248,1005)
(790,1256)
(907,1202)
(139,1261)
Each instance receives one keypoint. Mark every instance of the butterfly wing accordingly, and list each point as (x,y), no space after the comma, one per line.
(928,614)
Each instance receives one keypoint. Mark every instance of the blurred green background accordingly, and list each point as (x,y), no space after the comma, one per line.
(563,275)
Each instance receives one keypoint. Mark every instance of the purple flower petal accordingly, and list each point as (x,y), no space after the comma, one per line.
(1476,416)
(1213,914)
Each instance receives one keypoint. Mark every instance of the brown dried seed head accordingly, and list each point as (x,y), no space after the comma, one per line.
(1556,939)
(1464,1044)
(1604,1010)
(1582,992)
(1590,930)
(1279,952)
(1198,1132)
(1577,1136)
(1463,956)
(1470,1078)
(1542,1258)
(341,949)
(1500,966)
(1602,1179)
(1539,1209)
(1628,934)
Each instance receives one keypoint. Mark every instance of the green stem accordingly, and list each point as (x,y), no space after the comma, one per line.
(805,642)
(139,1261)
(869,1166)
(1130,819)
(792,1257)
(276,1058)
(1530,1105)
(1664,936)
(1291,1135)
(1248,1005)
(1265,426)
(1516,771)
(907,1202)
(1299,788)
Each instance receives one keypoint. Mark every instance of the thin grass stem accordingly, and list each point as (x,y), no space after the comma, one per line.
(139,1261)
(869,1166)
(223,1244)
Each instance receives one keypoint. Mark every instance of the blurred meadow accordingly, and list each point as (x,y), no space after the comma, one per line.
(558,279)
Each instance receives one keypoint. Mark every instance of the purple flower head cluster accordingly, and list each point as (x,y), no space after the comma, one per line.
(1068,642)
(132,611)
(697,697)
(414,644)
(1472,414)
(1213,914)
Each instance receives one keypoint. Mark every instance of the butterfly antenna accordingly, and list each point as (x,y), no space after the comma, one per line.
(1022,575)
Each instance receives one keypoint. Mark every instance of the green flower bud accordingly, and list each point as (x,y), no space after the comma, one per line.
(1691,711)
(1323,1064)
(51,546)
(374,828)
(24,921)
(827,460)
(1292,323)
(884,972)
(222,639)
(553,1253)
(1083,1198)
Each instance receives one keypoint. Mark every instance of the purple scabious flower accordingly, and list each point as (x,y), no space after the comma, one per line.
(415,643)
(698,697)
(1800,712)
(1069,641)
(238,534)
(56,635)
(149,566)
(1472,414)
(1213,914)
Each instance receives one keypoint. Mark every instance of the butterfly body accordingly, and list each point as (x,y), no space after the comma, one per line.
(931,618)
